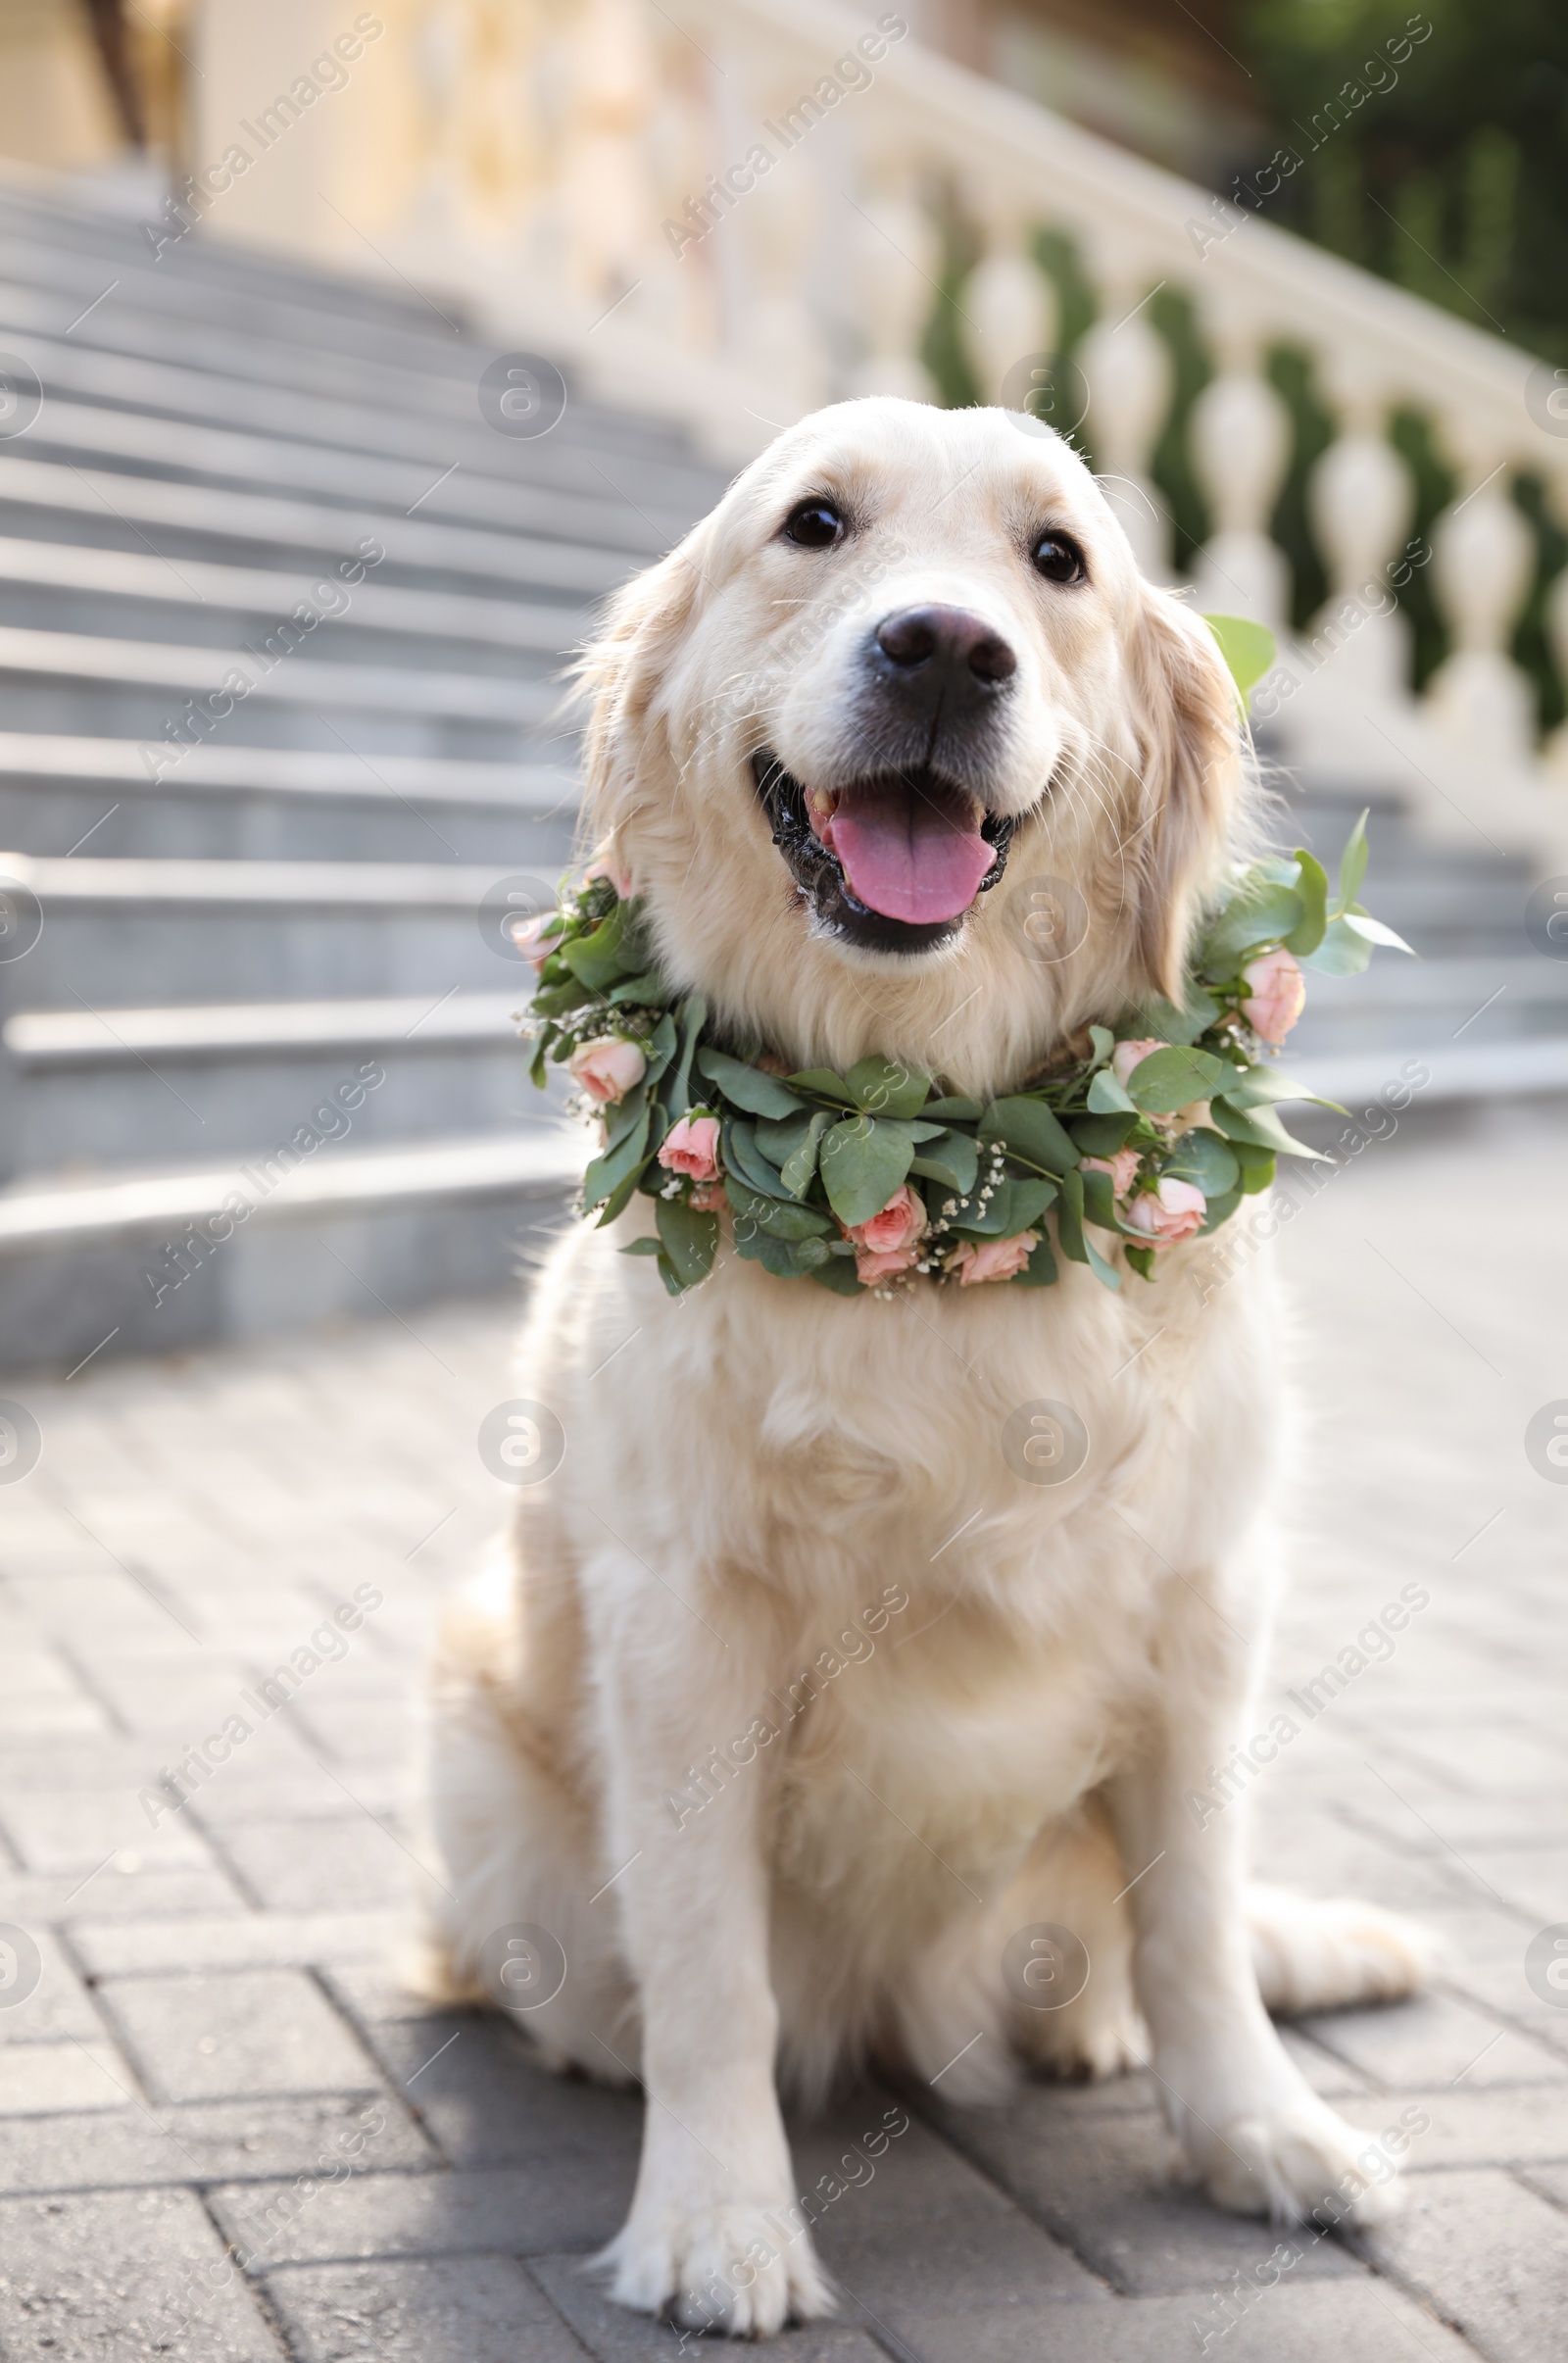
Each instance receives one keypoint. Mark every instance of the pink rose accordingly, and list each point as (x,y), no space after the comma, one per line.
(1278,990)
(1126,1056)
(607,1069)
(899,1225)
(1175,1211)
(604,865)
(1122,1169)
(873,1266)
(526,933)
(993,1259)
(890,1242)
(692,1146)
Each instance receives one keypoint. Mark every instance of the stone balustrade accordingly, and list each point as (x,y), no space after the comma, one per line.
(735,210)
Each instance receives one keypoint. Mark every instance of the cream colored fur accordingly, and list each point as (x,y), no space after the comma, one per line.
(749,1467)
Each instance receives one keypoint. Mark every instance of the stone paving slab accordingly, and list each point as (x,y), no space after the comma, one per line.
(485,2309)
(220,2047)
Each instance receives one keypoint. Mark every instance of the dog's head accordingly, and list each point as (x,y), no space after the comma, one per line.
(894,723)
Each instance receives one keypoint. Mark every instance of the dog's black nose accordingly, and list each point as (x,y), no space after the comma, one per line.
(950,647)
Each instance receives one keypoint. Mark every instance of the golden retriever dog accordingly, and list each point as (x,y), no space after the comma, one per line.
(905,637)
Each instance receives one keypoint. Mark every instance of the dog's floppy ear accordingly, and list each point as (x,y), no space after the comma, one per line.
(618,676)
(1188,724)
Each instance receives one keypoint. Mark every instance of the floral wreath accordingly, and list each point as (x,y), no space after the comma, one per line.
(865,1180)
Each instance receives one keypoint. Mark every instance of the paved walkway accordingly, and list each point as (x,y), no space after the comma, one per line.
(217,2050)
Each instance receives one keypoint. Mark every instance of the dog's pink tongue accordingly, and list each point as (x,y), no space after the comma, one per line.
(906,857)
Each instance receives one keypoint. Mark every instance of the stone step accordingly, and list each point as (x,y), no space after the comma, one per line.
(142,688)
(1455,1071)
(214,1080)
(85,504)
(1484,998)
(133,933)
(219,803)
(334,305)
(157,1262)
(433,480)
(78,587)
(398,407)
(257,314)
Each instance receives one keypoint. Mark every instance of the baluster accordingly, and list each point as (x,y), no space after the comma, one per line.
(1483,556)
(1241,443)
(1361,498)
(1126,366)
(1557,748)
(778,223)
(1009,316)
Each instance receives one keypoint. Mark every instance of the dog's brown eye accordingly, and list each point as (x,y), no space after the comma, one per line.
(1058,559)
(814,526)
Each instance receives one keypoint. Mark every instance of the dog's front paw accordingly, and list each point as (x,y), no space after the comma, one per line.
(720,2268)
(1295,2163)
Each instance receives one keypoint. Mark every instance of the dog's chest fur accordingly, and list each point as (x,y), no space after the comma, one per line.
(784,1459)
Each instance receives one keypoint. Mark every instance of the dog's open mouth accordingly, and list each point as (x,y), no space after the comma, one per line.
(891,862)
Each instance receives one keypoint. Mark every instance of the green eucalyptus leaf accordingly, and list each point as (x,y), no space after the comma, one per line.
(1141,1259)
(823,1084)
(1099,1201)
(674,1285)
(1041,1270)
(1203,1158)
(1101,1136)
(1252,1086)
(1248,648)
(953,1111)
(1352,867)
(1070,1219)
(1313,888)
(881,1087)
(778,1136)
(647,991)
(1256,1165)
(620,1196)
(619,1166)
(1265,914)
(1032,1133)
(1263,1128)
(1106,1094)
(1342,953)
(625,1115)
(952,1157)
(1106,1273)
(742,1156)
(691,1016)
(1172,1078)
(660,1050)
(594,959)
(746,1086)
(1168,1023)
(1105,1041)
(1361,922)
(1219,1210)
(776,1216)
(840,1276)
(643,1247)
(799,1166)
(689,1238)
(558,1001)
(863,1164)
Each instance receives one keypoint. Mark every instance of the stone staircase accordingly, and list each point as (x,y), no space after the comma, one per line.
(272,973)
(1481,1007)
